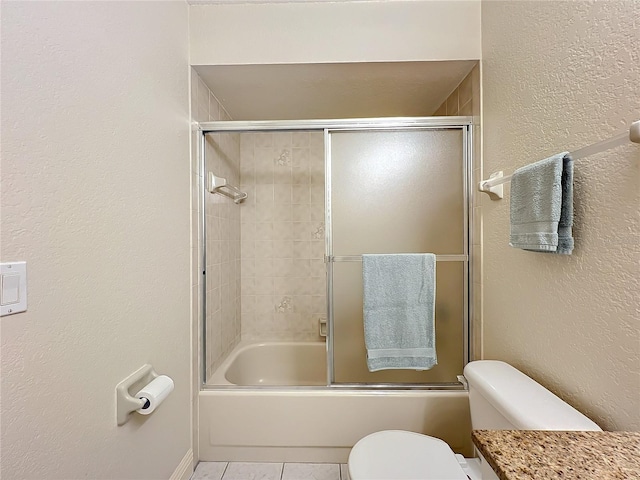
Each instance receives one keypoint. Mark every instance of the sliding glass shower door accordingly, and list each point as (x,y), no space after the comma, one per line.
(396,191)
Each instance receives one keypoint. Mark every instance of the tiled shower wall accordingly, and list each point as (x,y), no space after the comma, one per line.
(222,251)
(223,234)
(283,275)
(282,235)
(465,101)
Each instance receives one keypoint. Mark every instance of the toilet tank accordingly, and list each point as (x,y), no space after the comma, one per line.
(503,398)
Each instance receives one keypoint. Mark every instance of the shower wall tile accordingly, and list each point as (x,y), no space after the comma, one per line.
(223,248)
(202,110)
(282,296)
(477,327)
(475,89)
(477,226)
(477,270)
(300,139)
(465,91)
(442,110)
(452,103)
(214,108)
(478,173)
(316,144)
(466,110)
(466,100)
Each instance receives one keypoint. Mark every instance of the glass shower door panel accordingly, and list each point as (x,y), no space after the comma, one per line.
(397,192)
(349,353)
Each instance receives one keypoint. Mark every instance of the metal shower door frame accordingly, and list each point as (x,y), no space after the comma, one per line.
(427,123)
(463,123)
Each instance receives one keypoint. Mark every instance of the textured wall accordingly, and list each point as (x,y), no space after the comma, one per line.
(558,76)
(283,272)
(95,197)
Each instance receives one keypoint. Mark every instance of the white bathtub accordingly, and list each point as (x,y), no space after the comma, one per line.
(274,364)
(313,424)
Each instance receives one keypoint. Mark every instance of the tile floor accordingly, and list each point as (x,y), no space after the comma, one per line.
(270,471)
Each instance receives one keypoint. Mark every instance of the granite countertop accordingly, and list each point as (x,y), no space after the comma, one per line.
(540,455)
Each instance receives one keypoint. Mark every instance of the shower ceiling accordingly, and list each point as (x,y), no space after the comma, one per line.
(333,90)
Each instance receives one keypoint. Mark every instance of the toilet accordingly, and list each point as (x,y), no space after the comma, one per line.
(500,398)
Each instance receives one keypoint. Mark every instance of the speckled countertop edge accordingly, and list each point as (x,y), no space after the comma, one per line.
(541,455)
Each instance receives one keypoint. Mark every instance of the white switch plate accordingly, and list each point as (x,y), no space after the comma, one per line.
(13,288)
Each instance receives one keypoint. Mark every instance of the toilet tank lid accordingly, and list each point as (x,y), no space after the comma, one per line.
(521,400)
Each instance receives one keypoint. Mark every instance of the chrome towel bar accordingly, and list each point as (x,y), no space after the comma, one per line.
(358,258)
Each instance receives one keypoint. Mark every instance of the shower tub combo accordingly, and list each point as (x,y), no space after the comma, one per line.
(275,401)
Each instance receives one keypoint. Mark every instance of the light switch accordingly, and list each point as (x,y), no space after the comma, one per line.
(13,288)
(10,290)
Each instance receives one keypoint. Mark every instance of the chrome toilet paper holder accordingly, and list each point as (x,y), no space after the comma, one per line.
(125,402)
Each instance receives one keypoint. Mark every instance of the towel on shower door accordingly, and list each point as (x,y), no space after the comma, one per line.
(399,311)
(541,206)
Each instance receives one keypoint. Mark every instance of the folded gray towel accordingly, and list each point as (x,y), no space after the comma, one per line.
(541,205)
(399,306)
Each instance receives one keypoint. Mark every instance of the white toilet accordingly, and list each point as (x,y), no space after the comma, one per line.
(500,397)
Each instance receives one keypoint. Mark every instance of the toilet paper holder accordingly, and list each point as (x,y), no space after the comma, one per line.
(125,402)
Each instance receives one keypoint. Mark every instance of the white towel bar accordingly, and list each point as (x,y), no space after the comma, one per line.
(493,186)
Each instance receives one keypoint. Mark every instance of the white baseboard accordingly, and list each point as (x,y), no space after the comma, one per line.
(185,469)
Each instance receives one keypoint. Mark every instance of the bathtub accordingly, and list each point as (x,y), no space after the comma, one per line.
(297,418)
(274,364)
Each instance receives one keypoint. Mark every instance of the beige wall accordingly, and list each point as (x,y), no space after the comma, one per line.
(95,197)
(283,273)
(319,32)
(559,76)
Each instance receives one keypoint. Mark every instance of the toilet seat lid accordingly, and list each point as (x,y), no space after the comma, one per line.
(399,455)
